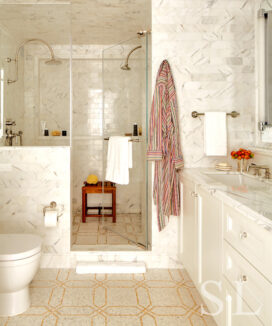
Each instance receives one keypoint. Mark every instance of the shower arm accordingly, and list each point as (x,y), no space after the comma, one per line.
(127,58)
(17,56)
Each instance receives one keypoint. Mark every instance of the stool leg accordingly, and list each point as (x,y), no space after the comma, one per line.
(114,206)
(83,207)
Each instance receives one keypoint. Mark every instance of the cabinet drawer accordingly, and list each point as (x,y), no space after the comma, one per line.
(253,288)
(251,240)
(230,316)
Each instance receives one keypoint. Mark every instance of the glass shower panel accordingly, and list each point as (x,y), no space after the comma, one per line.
(125,110)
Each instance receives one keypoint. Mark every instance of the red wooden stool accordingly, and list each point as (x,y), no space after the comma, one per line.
(107,188)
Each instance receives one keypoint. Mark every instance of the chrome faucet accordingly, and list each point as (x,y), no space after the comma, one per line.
(10,134)
(258,168)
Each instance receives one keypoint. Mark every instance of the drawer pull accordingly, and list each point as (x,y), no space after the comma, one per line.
(243,235)
(243,278)
(193,194)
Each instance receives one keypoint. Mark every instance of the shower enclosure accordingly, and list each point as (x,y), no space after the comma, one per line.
(68,85)
(116,86)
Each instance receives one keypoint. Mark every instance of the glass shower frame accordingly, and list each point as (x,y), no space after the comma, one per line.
(144,41)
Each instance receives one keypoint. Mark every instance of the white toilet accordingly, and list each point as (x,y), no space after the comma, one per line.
(19,261)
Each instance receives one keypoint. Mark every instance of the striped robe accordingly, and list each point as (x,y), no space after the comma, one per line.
(164,146)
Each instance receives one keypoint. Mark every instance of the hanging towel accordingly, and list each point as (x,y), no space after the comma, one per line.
(164,146)
(215,134)
(119,160)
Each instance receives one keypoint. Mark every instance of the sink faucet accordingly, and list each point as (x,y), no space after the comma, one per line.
(258,168)
(10,134)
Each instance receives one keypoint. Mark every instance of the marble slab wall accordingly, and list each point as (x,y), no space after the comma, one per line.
(30,178)
(210,46)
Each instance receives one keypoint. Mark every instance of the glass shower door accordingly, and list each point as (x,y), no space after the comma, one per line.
(125,81)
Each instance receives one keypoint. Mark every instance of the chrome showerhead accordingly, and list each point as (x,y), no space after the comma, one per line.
(53,62)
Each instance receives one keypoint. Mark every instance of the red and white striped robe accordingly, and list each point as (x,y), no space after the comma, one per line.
(164,146)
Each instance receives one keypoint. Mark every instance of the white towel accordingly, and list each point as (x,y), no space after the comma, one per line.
(119,160)
(215,134)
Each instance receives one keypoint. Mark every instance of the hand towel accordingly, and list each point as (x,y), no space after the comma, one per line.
(119,160)
(215,134)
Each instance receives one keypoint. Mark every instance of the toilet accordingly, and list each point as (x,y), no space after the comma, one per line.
(19,261)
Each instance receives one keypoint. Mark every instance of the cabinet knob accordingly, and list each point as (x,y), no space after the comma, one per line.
(193,194)
(243,235)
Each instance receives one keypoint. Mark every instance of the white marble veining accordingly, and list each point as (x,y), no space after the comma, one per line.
(244,199)
(90,22)
(46,94)
(211,49)
(210,46)
(37,177)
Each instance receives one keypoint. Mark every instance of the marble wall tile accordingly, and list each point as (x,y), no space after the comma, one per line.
(37,177)
(212,63)
(46,94)
(211,49)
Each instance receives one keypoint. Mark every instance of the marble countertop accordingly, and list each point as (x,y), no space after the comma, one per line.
(255,204)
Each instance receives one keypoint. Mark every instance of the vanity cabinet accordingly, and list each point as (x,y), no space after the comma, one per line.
(209,217)
(202,239)
(189,248)
(222,245)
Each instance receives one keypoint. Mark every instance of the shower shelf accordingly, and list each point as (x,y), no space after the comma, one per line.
(53,137)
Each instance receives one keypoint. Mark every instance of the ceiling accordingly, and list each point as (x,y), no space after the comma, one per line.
(86,21)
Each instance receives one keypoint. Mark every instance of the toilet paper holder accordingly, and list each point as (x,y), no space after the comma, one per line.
(53,206)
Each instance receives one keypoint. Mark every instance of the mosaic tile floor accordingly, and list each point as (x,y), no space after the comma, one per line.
(93,232)
(157,298)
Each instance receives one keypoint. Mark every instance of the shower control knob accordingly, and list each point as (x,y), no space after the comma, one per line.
(243,235)
(194,194)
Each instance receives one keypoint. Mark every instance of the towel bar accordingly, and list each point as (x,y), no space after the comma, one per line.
(233,114)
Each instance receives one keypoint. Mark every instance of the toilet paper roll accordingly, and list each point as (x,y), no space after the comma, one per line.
(50,219)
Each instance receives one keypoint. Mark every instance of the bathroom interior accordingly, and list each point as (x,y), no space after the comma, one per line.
(90,233)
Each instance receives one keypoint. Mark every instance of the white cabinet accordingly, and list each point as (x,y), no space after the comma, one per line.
(202,239)
(223,247)
(210,244)
(189,254)
(232,305)
(252,287)
(249,239)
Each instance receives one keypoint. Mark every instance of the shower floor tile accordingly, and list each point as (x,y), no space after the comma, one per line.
(157,298)
(94,231)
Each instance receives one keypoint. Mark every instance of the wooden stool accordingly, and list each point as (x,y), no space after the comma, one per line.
(99,188)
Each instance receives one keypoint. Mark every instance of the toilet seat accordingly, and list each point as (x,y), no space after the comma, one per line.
(18,246)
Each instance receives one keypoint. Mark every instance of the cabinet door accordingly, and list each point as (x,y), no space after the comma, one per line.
(189,255)
(210,245)
(233,308)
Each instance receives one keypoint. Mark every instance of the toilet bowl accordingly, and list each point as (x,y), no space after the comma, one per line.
(19,261)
